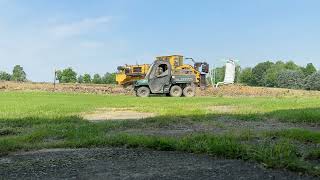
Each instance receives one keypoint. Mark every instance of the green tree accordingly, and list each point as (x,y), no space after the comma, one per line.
(96,79)
(246,76)
(18,74)
(67,76)
(4,76)
(271,76)
(219,74)
(290,79)
(80,79)
(237,74)
(259,72)
(309,69)
(109,78)
(312,82)
(59,75)
(290,65)
(87,78)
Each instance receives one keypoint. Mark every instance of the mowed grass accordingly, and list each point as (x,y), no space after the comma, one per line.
(18,105)
(35,120)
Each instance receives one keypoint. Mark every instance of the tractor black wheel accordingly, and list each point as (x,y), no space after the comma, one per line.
(143,92)
(189,91)
(175,91)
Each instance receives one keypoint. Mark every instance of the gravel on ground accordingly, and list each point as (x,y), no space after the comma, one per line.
(121,163)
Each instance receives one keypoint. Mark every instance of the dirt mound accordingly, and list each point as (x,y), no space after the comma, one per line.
(82,88)
(241,90)
(227,90)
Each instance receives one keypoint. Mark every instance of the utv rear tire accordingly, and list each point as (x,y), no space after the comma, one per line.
(189,91)
(143,92)
(175,91)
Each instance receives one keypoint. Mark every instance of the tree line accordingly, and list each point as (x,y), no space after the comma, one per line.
(269,74)
(18,74)
(279,74)
(68,75)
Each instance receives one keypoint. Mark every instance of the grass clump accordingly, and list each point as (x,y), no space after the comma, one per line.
(314,155)
(302,135)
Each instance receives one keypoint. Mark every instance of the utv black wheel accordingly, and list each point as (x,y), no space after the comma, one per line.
(143,92)
(189,91)
(175,91)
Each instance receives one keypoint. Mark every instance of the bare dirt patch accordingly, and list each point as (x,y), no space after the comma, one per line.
(222,109)
(178,130)
(115,114)
(220,125)
(241,90)
(266,125)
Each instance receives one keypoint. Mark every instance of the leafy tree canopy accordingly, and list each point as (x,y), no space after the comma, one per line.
(18,74)
(67,76)
(86,78)
(312,82)
(309,69)
(246,76)
(109,78)
(80,79)
(290,79)
(259,72)
(4,76)
(96,79)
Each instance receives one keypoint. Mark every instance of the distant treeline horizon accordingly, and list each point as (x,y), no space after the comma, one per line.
(276,74)
(282,74)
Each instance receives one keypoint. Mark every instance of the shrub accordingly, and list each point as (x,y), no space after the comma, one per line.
(4,76)
(312,82)
(290,79)
(246,76)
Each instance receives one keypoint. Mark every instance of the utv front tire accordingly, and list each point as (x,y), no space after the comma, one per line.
(189,91)
(175,91)
(143,92)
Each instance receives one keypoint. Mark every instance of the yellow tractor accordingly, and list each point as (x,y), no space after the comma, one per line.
(128,74)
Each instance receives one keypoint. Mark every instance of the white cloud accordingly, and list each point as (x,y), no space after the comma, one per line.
(78,27)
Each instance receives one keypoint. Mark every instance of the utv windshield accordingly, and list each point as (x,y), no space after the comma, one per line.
(149,71)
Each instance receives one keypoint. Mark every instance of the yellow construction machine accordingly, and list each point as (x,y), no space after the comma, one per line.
(128,74)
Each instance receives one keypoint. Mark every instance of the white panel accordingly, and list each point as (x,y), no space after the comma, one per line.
(230,72)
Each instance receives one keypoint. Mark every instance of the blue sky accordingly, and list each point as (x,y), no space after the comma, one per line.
(98,35)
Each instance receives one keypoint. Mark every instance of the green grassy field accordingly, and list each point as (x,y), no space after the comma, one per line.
(289,137)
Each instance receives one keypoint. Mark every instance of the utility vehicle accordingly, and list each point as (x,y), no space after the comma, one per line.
(162,79)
